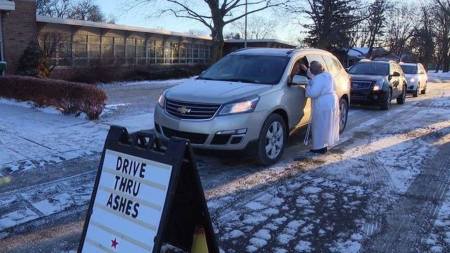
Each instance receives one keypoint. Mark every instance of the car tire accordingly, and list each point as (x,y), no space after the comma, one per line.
(416,93)
(424,91)
(272,140)
(387,102)
(343,106)
(402,98)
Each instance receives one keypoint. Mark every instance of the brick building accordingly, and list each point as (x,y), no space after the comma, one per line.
(5,8)
(73,44)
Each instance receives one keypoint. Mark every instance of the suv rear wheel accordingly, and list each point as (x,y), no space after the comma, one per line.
(272,140)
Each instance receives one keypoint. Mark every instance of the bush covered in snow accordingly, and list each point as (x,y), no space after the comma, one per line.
(69,97)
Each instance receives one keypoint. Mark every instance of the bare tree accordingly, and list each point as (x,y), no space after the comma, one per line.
(422,43)
(442,30)
(54,8)
(400,27)
(376,22)
(444,5)
(258,28)
(82,10)
(214,14)
(87,10)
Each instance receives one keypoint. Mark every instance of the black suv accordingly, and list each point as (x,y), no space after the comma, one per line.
(377,82)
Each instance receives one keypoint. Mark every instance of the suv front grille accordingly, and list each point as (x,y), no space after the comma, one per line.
(187,110)
(195,138)
(361,85)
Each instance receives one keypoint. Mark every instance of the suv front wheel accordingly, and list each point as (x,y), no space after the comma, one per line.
(272,140)
(343,110)
(401,99)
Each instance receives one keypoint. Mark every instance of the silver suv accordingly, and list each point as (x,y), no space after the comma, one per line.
(252,96)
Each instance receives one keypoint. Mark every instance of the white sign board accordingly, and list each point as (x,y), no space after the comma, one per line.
(128,205)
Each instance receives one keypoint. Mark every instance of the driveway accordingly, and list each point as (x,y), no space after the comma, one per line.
(384,188)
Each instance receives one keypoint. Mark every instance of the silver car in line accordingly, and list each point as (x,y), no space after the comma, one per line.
(250,100)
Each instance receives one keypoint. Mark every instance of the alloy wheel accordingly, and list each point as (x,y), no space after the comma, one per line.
(274,140)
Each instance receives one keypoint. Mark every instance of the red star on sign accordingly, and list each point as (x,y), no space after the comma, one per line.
(114,243)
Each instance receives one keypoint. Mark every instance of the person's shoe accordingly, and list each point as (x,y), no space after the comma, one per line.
(319,151)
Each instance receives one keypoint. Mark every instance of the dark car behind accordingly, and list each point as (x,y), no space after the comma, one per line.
(377,83)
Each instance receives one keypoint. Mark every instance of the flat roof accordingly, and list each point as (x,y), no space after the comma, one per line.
(259,41)
(73,22)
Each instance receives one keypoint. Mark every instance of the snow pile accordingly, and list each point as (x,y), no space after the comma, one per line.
(154,83)
(439,75)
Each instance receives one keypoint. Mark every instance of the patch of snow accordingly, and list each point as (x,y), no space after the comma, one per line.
(303,246)
(157,84)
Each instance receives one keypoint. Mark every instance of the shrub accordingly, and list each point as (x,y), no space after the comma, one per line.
(69,97)
(34,62)
(106,74)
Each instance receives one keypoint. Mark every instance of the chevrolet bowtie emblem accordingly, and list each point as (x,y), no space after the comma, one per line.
(184,110)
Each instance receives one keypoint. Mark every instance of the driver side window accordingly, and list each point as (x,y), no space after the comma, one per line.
(298,69)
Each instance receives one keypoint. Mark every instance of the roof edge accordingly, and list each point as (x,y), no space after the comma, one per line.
(74,22)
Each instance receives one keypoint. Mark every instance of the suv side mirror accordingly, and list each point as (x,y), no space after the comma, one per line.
(299,80)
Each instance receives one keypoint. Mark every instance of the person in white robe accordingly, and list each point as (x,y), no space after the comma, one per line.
(325,109)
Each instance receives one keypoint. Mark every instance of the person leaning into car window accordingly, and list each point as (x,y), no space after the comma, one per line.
(325,109)
(300,68)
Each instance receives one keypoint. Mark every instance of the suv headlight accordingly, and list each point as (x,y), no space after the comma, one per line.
(162,100)
(243,106)
(378,85)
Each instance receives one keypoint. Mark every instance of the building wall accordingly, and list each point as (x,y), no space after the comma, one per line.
(20,28)
(77,47)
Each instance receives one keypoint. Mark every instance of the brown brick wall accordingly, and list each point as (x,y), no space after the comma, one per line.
(20,28)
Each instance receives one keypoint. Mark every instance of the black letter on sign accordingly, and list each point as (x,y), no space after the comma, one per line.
(136,210)
(119,163)
(142,172)
(109,203)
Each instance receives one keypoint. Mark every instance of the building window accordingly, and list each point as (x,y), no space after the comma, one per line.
(1,38)
(80,50)
(94,49)
(140,51)
(107,50)
(131,51)
(159,50)
(119,50)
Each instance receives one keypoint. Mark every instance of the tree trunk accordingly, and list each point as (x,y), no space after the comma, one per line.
(446,63)
(218,40)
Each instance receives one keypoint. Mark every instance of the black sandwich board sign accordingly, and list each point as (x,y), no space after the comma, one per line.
(145,197)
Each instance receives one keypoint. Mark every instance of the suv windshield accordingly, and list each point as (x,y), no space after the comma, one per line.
(248,68)
(409,69)
(370,68)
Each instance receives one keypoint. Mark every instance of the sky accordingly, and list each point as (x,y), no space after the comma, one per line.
(287,29)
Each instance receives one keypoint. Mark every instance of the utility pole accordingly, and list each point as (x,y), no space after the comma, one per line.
(245,30)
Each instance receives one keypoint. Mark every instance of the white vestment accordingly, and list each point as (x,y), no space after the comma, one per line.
(325,111)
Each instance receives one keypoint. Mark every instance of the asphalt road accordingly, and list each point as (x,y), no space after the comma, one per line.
(384,188)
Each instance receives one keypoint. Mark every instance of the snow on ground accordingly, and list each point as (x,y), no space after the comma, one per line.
(34,138)
(330,203)
(43,136)
(155,84)
(336,202)
(438,240)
